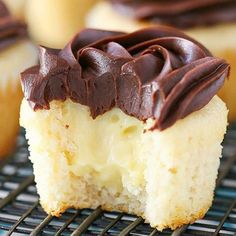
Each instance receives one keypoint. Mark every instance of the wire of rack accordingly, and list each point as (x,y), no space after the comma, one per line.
(21,213)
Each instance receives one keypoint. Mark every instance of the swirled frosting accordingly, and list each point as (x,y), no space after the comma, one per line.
(11,30)
(179,13)
(157,73)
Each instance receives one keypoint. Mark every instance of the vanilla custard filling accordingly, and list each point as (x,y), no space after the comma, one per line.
(112,149)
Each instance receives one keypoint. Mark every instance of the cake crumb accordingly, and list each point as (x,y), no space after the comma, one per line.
(173,170)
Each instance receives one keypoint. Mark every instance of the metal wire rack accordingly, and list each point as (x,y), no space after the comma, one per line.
(21,214)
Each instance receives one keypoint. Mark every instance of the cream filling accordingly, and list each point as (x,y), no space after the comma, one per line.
(113,148)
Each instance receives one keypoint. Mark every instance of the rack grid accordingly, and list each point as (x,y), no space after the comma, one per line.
(21,213)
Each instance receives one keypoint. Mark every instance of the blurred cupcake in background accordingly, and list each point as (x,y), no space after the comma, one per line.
(53,22)
(16,54)
(212,22)
(16,8)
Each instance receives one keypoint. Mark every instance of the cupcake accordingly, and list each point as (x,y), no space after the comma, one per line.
(128,122)
(213,23)
(16,54)
(53,22)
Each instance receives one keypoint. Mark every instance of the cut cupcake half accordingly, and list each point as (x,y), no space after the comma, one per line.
(128,122)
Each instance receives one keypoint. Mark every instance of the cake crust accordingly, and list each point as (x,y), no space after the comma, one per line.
(178,222)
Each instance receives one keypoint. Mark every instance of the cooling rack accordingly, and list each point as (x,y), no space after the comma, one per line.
(21,214)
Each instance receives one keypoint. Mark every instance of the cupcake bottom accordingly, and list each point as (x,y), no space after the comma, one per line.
(220,40)
(166,177)
(13,60)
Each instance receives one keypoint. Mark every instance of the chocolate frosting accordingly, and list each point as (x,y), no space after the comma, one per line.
(3,10)
(157,73)
(179,13)
(11,30)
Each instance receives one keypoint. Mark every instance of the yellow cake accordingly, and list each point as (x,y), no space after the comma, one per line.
(128,122)
(218,37)
(16,54)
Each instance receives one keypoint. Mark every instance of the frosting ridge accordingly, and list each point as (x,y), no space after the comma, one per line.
(157,73)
